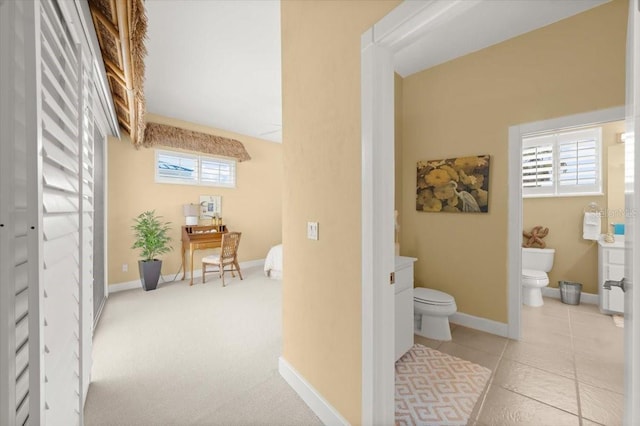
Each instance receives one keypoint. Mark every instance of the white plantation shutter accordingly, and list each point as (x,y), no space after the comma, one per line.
(191,169)
(61,208)
(87,224)
(46,211)
(537,165)
(579,161)
(562,164)
(217,172)
(17,254)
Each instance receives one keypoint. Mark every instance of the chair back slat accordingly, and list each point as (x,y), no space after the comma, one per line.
(230,243)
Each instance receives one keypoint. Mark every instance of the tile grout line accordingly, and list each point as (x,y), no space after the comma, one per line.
(490,382)
(575,369)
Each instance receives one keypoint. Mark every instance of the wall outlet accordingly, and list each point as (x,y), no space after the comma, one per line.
(125,267)
(312,230)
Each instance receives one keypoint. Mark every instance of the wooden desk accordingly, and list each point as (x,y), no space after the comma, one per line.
(199,238)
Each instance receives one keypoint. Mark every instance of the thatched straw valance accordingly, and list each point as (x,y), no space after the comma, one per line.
(176,137)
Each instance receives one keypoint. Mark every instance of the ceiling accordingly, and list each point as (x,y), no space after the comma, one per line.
(217,63)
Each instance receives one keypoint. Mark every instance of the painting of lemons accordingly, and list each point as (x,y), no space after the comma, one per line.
(459,185)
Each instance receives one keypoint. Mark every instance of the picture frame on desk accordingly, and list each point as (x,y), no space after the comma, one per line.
(210,206)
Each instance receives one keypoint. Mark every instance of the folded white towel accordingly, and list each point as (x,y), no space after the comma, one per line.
(591,226)
(592,218)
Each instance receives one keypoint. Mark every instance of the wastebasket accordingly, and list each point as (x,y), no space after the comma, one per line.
(570,292)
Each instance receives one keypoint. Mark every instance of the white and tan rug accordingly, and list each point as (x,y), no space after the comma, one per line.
(433,388)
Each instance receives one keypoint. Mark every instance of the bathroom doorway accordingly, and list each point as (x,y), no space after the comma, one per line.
(612,121)
(562,343)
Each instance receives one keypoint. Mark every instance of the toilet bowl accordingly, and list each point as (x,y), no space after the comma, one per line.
(532,283)
(536,263)
(432,309)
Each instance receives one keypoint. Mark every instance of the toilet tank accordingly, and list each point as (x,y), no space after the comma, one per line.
(537,258)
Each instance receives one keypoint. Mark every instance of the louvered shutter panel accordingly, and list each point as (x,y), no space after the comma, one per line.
(537,165)
(61,204)
(86,220)
(578,162)
(16,254)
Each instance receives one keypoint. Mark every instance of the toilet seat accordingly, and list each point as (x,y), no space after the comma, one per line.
(429,296)
(534,274)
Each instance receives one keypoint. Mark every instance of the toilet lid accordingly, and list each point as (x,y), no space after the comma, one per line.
(532,273)
(431,296)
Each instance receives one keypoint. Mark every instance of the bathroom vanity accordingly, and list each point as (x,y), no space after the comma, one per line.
(611,267)
(404,304)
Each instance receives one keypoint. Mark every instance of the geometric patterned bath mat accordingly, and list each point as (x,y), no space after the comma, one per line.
(433,388)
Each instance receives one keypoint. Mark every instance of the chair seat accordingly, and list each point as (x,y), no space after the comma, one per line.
(227,259)
(212,258)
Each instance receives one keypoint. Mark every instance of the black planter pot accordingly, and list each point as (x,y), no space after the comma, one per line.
(149,273)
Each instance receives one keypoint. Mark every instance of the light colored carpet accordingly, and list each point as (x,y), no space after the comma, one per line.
(433,388)
(201,355)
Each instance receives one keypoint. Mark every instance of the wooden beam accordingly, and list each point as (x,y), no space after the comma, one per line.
(115,70)
(97,13)
(122,8)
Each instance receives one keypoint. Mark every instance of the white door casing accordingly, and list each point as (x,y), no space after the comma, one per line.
(632,221)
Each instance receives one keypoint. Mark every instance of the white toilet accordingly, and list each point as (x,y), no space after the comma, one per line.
(536,263)
(431,313)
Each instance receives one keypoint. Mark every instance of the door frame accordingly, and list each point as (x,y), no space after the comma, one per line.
(400,28)
(514,200)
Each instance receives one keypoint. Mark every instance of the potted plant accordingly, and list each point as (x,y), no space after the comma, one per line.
(151,237)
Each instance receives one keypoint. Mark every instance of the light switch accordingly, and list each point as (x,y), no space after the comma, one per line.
(312,230)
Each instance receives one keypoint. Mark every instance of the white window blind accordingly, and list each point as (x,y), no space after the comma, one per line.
(562,164)
(218,172)
(191,169)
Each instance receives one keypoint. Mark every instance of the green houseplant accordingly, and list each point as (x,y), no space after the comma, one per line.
(151,237)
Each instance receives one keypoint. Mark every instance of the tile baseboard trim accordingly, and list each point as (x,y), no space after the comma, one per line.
(325,411)
(131,285)
(478,323)
(589,298)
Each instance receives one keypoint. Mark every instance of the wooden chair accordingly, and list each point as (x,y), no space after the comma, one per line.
(228,256)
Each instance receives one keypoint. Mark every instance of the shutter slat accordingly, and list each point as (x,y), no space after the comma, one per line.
(59,203)
(60,135)
(58,156)
(56,178)
(22,331)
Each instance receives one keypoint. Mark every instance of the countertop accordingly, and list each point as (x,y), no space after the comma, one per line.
(619,243)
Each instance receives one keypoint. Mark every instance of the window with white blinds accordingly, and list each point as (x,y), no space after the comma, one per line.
(562,164)
(191,169)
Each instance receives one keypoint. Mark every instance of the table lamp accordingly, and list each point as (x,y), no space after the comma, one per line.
(190,212)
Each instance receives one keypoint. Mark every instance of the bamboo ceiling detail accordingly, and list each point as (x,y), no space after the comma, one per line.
(121,27)
(161,134)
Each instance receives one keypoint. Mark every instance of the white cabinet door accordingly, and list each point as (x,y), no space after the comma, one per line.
(404,322)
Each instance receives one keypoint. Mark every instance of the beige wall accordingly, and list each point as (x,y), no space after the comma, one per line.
(575,259)
(615,186)
(321,141)
(254,207)
(465,107)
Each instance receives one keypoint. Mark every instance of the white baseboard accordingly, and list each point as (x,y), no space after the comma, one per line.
(588,298)
(478,323)
(327,414)
(130,285)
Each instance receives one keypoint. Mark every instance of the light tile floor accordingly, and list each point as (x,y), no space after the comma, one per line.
(566,370)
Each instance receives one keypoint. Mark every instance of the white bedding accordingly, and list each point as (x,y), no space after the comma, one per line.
(273,263)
